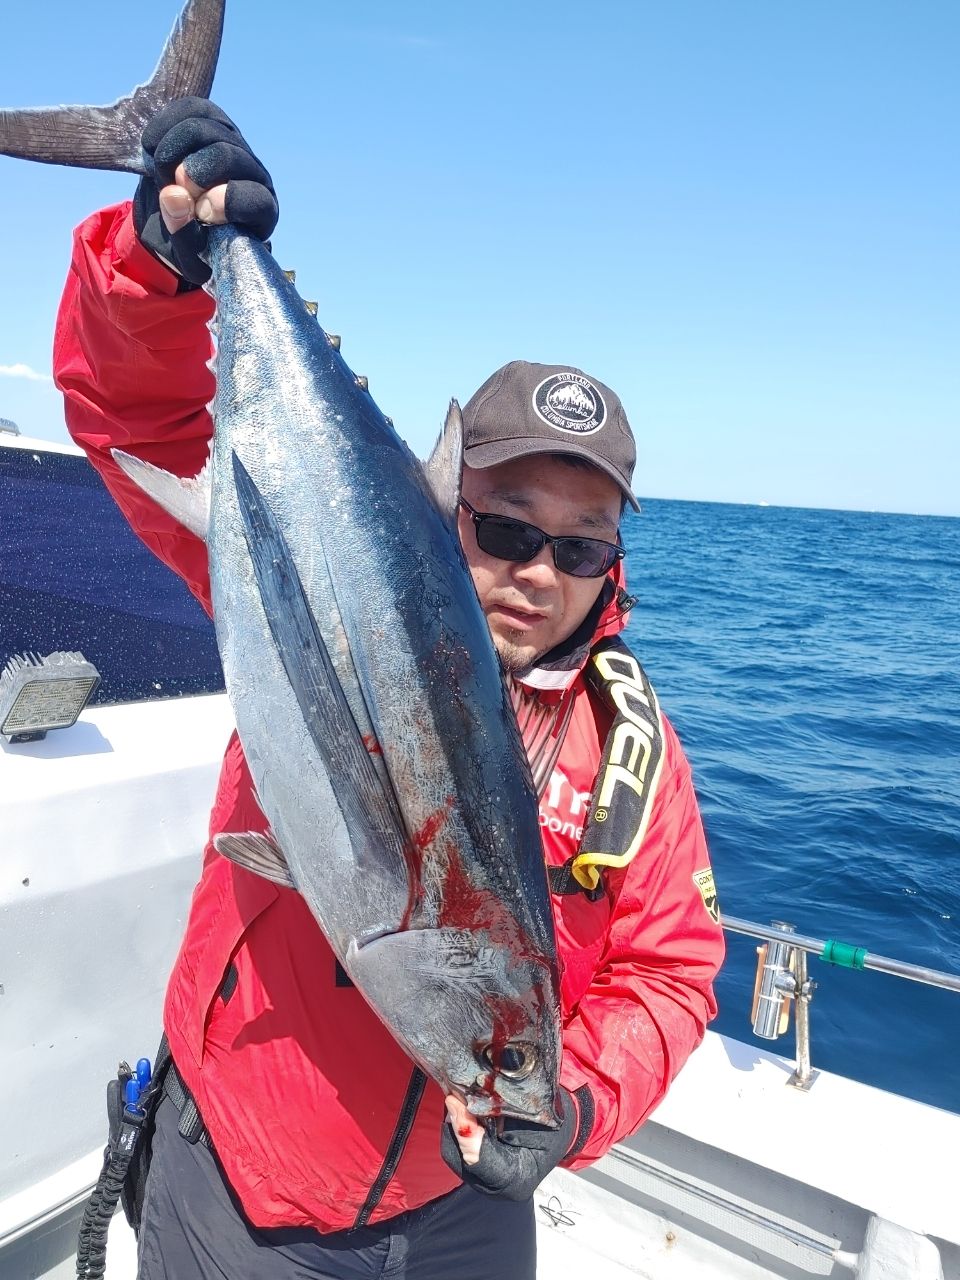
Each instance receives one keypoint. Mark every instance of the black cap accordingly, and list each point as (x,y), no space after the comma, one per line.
(549,408)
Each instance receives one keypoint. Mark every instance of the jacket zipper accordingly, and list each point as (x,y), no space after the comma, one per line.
(401,1133)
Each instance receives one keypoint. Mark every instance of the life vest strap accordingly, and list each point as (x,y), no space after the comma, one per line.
(626,783)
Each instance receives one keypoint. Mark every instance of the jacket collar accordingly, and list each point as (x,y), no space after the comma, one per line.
(558,669)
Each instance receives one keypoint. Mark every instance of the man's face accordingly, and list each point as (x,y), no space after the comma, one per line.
(532,607)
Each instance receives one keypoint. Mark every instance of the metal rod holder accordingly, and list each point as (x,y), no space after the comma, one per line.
(768,1005)
(804,1074)
(782,978)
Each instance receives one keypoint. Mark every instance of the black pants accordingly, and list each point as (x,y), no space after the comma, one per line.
(193,1229)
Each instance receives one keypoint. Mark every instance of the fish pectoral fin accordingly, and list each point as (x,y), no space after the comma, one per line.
(365,799)
(450,957)
(443,468)
(256,851)
(187,500)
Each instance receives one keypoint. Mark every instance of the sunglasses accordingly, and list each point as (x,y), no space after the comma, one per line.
(509,539)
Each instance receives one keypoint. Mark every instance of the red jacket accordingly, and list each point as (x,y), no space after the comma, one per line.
(298,1082)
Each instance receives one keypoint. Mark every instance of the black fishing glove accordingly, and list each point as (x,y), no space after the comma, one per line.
(196,133)
(516,1160)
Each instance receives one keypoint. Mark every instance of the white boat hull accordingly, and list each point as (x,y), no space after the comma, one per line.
(736,1174)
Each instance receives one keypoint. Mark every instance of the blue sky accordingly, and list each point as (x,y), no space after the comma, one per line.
(743,216)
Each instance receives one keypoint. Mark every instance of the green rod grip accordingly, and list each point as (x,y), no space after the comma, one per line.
(844,954)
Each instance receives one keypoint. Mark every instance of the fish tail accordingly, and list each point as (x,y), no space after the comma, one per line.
(109,137)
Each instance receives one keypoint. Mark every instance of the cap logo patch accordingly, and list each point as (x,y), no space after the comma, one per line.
(570,402)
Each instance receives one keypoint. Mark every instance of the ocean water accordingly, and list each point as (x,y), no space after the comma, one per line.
(810,661)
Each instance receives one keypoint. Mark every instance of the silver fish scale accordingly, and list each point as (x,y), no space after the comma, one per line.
(283,455)
(393,600)
(434,736)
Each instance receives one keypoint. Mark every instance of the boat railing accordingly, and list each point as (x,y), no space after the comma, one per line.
(783,981)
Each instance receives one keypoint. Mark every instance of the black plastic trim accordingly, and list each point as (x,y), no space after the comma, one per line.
(588,1112)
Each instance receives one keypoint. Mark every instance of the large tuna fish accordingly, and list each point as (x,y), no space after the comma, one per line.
(366,690)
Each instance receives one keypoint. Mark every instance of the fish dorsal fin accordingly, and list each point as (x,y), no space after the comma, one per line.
(255,851)
(187,500)
(442,469)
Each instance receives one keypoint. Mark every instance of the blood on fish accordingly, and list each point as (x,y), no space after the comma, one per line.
(509,1021)
(372,745)
(488,1087)
(413,855)
(431,826)
(467,906)
(474,909)
(465,1131)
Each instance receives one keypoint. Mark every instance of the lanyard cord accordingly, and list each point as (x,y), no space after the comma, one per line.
(543,727)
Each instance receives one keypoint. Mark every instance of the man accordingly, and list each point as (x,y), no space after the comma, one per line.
(294,1135)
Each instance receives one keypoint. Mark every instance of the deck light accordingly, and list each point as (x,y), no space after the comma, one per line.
(38,694)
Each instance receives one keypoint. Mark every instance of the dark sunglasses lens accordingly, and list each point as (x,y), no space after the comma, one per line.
(585,557)
(507,539)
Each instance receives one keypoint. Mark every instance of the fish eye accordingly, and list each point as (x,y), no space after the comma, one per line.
(514,1061)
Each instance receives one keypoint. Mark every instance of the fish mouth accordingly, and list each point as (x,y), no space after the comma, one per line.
(533,1110)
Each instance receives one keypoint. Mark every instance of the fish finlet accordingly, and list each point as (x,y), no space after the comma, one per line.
(334,340)
(362,381)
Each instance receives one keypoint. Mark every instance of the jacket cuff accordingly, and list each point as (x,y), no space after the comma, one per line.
(586,1114)
(139,264)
